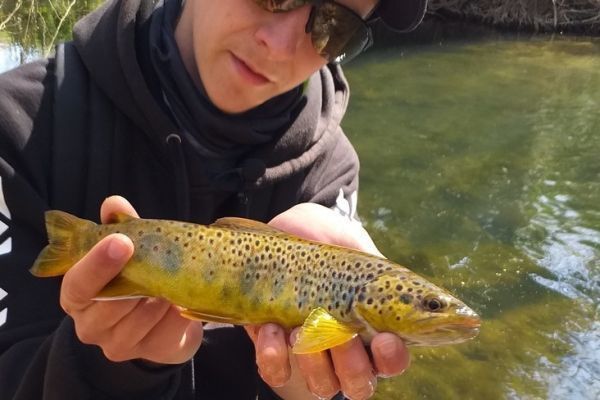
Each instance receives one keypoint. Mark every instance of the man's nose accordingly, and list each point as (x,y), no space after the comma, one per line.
(283,33)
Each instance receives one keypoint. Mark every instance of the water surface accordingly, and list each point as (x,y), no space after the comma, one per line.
(481,169)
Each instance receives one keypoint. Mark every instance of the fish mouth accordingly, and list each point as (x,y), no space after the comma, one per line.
(457,330)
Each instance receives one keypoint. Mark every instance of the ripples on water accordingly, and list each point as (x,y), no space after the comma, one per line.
(481,169)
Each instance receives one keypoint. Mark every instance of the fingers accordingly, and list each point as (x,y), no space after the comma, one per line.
(354,370)
(315,222)
(88,276)
(272,355)
(115,204)
(317,370)
(173,340)
(390,355)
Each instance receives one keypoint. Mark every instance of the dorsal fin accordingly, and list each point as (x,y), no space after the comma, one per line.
(120,217)
(244,224)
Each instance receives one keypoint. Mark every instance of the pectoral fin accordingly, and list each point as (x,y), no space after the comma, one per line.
(321,331)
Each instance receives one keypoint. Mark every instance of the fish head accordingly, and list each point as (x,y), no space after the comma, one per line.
(413,308)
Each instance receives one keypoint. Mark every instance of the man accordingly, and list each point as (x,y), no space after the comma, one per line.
(189,111)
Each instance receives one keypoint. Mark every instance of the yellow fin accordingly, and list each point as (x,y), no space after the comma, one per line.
(60,254)
(200,316)
(321,331)
(245,224)
(119,217)
(121,288)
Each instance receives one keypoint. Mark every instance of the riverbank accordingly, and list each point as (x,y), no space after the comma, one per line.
(565,16)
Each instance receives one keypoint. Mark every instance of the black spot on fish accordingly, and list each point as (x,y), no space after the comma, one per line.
(370,301)
(419,290)
(406,298)
(416,283)
(361,297)
(399,287)
(239,241)
(398,318)
(189,234)
(382,301)
(370,276)
(155,248)
(380,290)
(219,234)
(257,243)
(158,230)
(140,233)
(410,289)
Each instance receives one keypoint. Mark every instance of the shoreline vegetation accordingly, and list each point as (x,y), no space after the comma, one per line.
(559,16)
(36,26)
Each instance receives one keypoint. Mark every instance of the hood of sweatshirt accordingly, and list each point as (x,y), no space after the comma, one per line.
(109,41)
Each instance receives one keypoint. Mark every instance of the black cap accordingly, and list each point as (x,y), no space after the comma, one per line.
(401,15)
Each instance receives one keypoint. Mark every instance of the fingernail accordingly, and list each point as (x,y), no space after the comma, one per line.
(117,249)
(365,388)
(294,336)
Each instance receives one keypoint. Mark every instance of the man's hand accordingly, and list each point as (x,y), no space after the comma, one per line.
(149,329)
(347,367)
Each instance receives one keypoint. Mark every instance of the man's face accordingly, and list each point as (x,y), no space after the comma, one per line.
(246,55)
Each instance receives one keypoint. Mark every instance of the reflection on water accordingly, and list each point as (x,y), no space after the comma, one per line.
(480,170)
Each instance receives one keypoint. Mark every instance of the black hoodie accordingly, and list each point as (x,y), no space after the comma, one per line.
(73,133)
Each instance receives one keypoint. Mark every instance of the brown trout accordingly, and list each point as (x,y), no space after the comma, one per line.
(242,272)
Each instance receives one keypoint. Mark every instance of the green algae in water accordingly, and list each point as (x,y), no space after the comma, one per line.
(480,169)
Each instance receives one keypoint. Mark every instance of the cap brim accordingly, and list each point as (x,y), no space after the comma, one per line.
(401,15)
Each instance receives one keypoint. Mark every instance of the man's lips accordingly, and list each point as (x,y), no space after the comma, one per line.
(249,72)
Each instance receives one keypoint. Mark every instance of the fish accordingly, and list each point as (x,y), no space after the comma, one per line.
(244,272)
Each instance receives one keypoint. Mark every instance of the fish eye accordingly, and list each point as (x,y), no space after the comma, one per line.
(433,304)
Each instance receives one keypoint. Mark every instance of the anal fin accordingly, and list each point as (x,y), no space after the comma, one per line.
(201,316)
(121,288)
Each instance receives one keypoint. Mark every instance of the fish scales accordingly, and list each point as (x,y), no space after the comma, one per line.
(245,272)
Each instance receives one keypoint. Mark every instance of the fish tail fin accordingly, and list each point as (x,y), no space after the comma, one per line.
(58,256)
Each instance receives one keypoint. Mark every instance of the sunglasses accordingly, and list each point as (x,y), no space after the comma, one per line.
(338,33)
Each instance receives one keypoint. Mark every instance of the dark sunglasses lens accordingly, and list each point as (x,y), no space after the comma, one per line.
(338,34)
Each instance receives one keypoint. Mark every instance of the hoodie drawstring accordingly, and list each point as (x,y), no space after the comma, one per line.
(181,177)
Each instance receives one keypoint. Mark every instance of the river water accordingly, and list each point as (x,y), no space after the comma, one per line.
(480,169)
